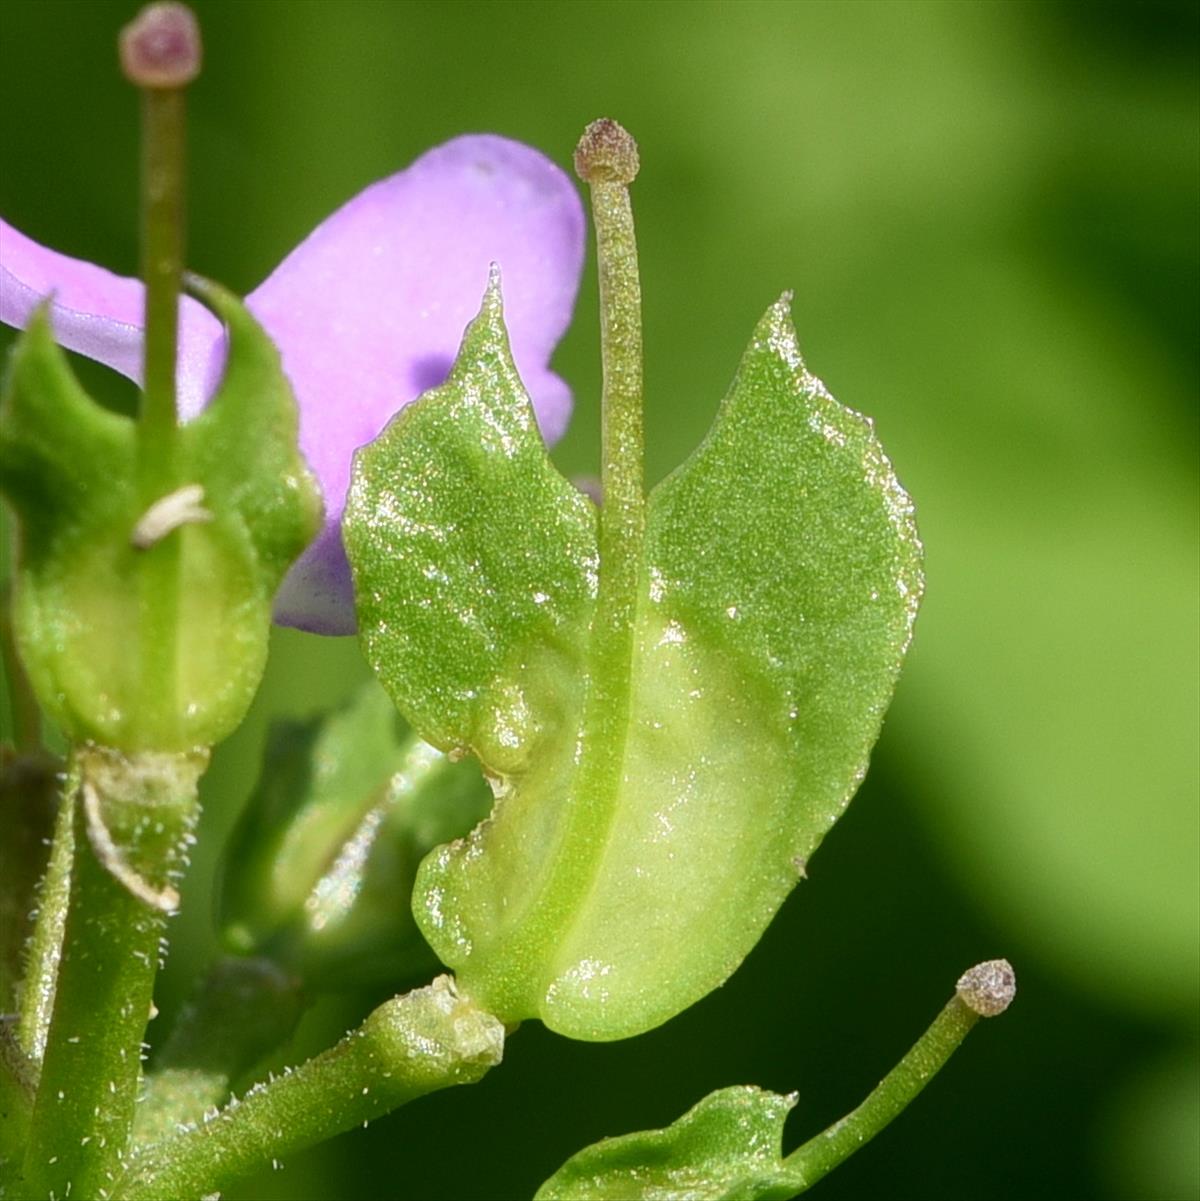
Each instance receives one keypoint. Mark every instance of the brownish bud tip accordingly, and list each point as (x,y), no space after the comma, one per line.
(988,988)
(160,47)
(606,153)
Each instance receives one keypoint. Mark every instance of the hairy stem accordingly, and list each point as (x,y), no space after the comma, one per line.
(133,817)
(412,1045)
(42,953)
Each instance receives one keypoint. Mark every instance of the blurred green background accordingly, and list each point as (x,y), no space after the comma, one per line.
(988,212)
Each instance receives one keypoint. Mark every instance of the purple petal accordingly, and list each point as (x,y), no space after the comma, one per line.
(369,311)
(99,314)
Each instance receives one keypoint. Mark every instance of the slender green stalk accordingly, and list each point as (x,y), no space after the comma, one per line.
(984,991)
(412,1045)
(44,949)
(133,818)
(162,266)
(244,1009)
(606,158)
(162,188)
(160,54)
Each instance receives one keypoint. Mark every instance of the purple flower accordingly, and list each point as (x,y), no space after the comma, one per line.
(367,311)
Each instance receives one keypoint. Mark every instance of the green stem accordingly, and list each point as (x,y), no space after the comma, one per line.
(133,818)
(607,159)
(44,949)
(984,991)
(162,185)
(623,513)
(412,1045)
(244,1009)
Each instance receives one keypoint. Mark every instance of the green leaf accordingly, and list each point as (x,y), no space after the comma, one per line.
(726,1148)
(628,868)
(346,808)
(470,551)
(85,590)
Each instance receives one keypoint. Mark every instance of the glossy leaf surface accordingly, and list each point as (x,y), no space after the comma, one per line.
(70,470)
(625,872)
(726,1148)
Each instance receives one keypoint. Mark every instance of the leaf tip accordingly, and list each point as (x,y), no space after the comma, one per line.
(489,321)
(493,296)
(776,333)
(208,292)
(40,326)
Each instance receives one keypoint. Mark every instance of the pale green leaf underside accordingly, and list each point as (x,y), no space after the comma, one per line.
(726,1148)
(781,581)
(69,469)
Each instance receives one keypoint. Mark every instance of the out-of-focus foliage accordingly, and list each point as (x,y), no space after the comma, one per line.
(988,212)
(346,807)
